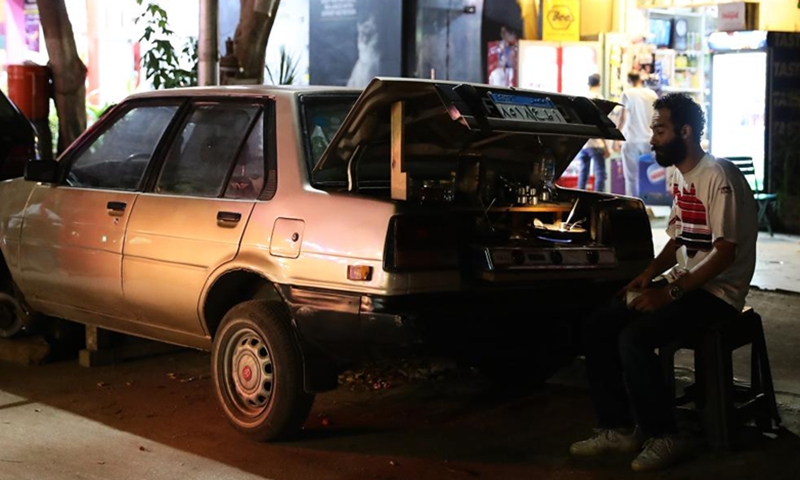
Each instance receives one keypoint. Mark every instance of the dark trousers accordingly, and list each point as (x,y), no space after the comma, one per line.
(586,156)
(626,382)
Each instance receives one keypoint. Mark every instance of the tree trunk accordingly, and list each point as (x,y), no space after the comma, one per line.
(256,18)
(69,72)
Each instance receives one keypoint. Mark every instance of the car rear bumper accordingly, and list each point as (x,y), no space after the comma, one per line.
(351,326)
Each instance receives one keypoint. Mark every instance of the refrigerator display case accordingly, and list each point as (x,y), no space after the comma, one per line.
(751,102)
(562,67)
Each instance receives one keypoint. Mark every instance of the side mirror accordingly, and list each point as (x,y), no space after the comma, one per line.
(45,171)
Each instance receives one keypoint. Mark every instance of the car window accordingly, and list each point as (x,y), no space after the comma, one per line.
(322,117)
(117,158)
(247,179)
(200,158)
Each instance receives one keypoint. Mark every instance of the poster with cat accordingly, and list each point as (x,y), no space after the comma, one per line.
(353,41)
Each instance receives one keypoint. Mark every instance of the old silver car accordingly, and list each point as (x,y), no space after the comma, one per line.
(292,230)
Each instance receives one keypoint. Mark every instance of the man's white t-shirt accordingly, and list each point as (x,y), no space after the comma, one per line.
(638,103)
(715,201)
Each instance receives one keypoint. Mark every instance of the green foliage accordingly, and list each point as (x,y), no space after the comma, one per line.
(162,62)
(287,69)
(94,112)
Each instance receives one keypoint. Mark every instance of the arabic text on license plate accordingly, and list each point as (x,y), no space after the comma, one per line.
(531,114)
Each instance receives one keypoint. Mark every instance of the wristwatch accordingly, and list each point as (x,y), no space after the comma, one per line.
(675,292)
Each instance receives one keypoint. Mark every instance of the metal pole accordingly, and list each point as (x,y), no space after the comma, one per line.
(208,48)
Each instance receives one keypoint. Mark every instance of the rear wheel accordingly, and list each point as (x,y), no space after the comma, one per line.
(11,316)
(258,372)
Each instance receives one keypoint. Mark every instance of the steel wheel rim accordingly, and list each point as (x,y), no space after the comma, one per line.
(248,372)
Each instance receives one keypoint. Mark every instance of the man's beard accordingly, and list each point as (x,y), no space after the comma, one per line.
(673,153)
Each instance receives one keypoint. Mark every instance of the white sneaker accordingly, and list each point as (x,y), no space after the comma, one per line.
(607,441)
(661,452)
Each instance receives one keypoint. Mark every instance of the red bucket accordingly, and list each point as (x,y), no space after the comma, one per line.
(29,88)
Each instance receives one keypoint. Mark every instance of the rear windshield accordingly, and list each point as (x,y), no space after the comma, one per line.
(322,116)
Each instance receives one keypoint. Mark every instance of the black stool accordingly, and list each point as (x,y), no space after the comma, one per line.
(722,405)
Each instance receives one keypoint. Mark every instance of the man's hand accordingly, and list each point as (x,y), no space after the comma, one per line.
(641,282)
(651,299)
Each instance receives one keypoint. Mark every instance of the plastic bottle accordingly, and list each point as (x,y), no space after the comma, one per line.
(549,168)
(318,141)
(548,175)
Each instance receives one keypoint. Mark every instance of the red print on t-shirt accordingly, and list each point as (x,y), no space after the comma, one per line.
(691,221)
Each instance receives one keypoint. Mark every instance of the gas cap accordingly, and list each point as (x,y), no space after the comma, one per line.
(287,237)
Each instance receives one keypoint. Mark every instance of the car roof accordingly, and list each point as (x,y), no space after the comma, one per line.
(242,90)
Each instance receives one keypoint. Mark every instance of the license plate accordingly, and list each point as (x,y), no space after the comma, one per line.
(528,109)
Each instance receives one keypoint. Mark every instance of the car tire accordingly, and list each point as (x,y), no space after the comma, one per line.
(11,316)
(257,370)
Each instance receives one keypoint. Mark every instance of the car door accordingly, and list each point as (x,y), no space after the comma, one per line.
(194,218)
(72,234)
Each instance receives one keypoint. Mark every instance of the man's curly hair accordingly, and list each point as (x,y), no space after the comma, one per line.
(684,111)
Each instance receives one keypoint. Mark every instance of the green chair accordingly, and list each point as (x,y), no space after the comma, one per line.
(764,199)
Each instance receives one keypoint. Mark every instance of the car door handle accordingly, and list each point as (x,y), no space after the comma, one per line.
(228,219)
(115,209)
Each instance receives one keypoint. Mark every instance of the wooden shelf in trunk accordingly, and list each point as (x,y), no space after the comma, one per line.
(542,207)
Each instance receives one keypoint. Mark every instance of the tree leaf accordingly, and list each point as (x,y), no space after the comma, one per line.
(165,65)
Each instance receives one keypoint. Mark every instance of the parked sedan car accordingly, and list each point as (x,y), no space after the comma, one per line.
(294,230)
(17,145)
(17,139)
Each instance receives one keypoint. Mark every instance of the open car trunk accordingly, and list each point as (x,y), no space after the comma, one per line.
(475,166)
(430,128)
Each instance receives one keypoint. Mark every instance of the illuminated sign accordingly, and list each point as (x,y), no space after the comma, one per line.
(561,20)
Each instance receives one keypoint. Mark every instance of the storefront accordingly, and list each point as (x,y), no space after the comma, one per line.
(716,51)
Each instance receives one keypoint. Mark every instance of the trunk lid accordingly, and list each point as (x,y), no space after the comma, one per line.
(446,121)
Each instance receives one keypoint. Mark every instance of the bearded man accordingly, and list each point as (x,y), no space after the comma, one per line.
(701,275)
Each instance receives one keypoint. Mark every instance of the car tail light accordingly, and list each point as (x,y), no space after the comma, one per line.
(421,242)
(359,273)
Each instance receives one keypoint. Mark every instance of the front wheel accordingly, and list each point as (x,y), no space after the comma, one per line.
(258,371)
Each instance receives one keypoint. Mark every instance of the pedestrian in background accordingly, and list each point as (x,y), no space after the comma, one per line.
(711,257)
(634,122)
(595,151)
